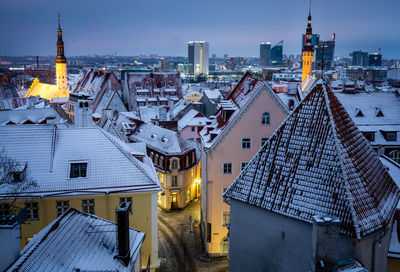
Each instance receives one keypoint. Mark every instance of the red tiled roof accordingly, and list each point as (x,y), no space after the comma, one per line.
(318,163)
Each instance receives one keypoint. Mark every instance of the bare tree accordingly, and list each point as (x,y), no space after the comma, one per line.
(13,179)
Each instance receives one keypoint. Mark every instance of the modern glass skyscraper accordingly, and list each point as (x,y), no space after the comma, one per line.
(265,54)
(277,54)
(198,58)
(375,59)
(360,58)
(324,54)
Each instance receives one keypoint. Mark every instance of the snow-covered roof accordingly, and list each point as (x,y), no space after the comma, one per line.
(49,151)
(52,114)
(370,104)
(178,107)
(213,94)
(245,90)
(77,241)
(110,100)
(192,118)
(318,163)
(161,139)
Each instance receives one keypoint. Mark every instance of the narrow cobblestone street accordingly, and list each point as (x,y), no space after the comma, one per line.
(180,244)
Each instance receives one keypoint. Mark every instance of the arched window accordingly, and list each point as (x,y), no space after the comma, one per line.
(265,118)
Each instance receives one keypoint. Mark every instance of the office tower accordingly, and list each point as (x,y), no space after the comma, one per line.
(360,58)
(265,54)
(276,54)
(324,54)
(198,57)
(375,59)
(314,40)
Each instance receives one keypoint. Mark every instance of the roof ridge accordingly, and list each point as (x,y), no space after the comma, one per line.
(338,148)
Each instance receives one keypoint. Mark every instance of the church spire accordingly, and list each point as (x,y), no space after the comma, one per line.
(308,36)
(60,44)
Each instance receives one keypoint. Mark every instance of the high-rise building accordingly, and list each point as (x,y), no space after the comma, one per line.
(277,54)
(324,54)
(265,54)
(308,50)
(375,59)
(314,40)
(198,57)
(360,58)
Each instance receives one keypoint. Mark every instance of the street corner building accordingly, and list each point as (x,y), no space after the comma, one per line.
(176,160)
(84,168)
(239,129)
(315,195)
(78,241)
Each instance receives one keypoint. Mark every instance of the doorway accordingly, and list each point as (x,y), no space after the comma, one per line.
(174,201)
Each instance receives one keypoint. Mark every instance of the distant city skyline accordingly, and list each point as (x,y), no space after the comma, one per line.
(131,28)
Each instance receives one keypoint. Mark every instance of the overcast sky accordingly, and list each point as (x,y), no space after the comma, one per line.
(163,27)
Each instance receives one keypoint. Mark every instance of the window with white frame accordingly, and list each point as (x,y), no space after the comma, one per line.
(265,119)
(225,218)
(174,164)
(127,200)
(227,168)
(263,140)
(174,181)
(88,206)
(61,207)
(243,165)
(78,170)
(246,143)
(32,211)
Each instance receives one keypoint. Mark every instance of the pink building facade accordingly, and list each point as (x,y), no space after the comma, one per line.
(242,124)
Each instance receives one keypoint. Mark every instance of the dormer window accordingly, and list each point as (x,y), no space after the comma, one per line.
(379,113)
(370,136)
(391,136)
(19,173)
(359,113)
(78,170)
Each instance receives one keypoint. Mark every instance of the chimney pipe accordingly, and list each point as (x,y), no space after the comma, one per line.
(325,241)
(122,215)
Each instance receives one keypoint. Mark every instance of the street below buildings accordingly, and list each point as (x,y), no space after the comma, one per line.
(180,246)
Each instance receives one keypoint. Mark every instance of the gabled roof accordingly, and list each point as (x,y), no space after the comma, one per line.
(51,114)
(49,150)
(192,118)
(239,99)
(77,241)
(161,139)
(318,163)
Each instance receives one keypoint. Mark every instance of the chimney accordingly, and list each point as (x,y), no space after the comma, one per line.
(325,241)
(83,113)
(122,215)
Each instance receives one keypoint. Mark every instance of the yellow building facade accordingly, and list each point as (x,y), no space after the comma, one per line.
(143,205)
(84,168)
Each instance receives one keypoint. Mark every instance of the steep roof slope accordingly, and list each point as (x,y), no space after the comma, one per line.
(77,241)
(318,162)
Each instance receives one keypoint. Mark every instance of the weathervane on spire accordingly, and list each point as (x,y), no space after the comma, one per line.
(309,9)
(59,25)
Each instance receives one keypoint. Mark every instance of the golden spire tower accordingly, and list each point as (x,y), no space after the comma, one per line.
(308,50)
(61,64)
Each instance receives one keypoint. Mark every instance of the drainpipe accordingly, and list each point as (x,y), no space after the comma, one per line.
(383,231)
(108,204)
